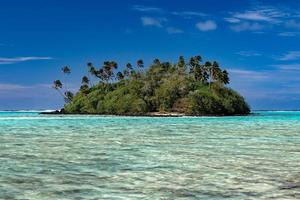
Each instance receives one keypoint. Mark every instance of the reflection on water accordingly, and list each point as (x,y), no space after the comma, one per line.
(104,157)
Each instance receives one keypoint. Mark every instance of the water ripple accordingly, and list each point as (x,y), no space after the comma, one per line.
(106,157)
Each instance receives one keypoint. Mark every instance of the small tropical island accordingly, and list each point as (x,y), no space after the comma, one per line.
(185,88)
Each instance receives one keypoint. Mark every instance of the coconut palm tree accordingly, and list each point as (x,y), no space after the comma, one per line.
(198,59)
(215,71)
(207,67)
(91,70)
(108,68)
(68,96)
(140,64)
(156,61)
(196,70)
(181,66)
(57,85)
(224,78)
(66,71)
(129,66)
(126,73)
(127,70)
(85,80)
(120,76)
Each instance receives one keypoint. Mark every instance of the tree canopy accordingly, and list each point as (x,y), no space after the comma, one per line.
(192,88)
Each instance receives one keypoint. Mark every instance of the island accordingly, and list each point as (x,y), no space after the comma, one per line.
(193,88)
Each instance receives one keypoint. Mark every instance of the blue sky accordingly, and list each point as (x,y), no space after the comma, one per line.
(257,41)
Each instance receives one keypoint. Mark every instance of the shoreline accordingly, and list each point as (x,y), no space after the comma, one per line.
(151,114)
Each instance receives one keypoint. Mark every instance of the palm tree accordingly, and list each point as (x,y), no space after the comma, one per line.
(127,70)
(120,76)
(181,64)
(224,77)
(156,61)
(57,85)
(129,66)
(140,64)
(68,96)
(192,65)
(66,71)
(84,89)
(198,59)
(195,68)
(91,70)
(208,69)
(108,68)
(126,73)
(215,71)
(85,80)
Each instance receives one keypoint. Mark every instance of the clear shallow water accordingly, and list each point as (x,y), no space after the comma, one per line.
(104,157)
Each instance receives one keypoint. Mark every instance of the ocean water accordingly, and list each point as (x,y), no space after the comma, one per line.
(107,157)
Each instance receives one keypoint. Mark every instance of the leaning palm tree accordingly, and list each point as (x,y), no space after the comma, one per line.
(66,71)
(224,77)
(91,70)
(68,96)
(57,85)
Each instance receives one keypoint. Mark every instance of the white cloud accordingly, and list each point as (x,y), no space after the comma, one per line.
(247,26)
(288,67)
(261,17)
(291,55)
(146,9)
(262,14)
(287,34)
(232,20)
(21,59)
(248,53)
(208,25)
(173,30)
(151,21)
(249,74)
(252,15)
(189,14)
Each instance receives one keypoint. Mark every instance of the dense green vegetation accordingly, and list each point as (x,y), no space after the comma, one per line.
(191,88)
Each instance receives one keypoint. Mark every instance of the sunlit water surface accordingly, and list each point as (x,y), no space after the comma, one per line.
(107,157)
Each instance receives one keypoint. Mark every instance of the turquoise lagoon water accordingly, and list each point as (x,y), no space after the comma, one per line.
(107,157)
